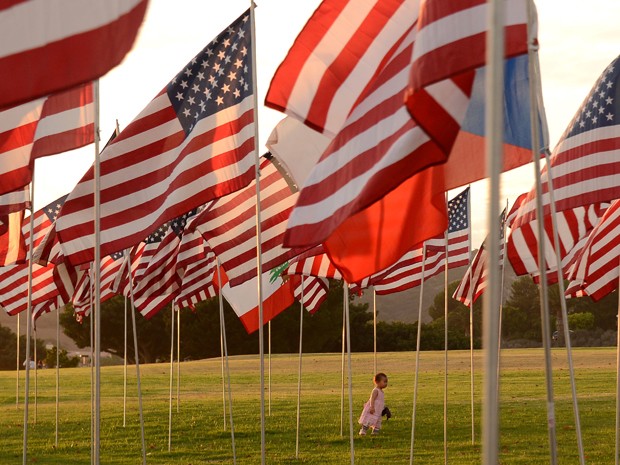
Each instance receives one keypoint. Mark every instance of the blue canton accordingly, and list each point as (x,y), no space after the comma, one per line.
(158,234)
(178,224)
(217,78)
(117,255)
(53,208)
(599,109)
(457,212)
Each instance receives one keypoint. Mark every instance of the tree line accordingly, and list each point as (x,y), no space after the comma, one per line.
(592,324)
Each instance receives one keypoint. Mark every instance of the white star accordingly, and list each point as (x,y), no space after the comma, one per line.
(609,116)
(226,43)
(186,112)
(595,104)
(237,93)
(205,63)
(196,88)
(601,110)
(232,76)
(209,52)
(238,63)
(191,100)
(241,33)
(230,30)
(221,54)
(610,85)
(196,115)
(588,113)
(245,69)
(244,51)
(245,86)
(187,72)
(227,59)
(201,76)
(216,67)
(582,124)
(183,84)
(219,100)
(609,100)
(601,94)
(207,93)
(234,46)
(226,88)
(194,61)
(179,96)
(220,71)
(203,105)
(595,119)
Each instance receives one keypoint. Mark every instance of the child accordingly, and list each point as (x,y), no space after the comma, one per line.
(371,415)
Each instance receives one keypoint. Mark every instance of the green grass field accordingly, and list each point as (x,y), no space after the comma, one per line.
(198,435)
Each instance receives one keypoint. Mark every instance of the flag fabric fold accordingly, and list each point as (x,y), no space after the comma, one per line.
(194,142)
(48,47)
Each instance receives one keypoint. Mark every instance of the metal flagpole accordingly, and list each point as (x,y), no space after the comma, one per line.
(348,325)
(57,373)
(259,267)
(301,332)
(171,376)
(501,298)
(417,357)
(225,345)
(137,358)
(471,329)
(617,454)
(178,356)
(445,345)
(97,277)
(543,286)
(36,377)
(17,364)
(269,365)
(125,366)
(374,329)
(494,130)
(221,302)
(28,328)
(344,339)
(92,367)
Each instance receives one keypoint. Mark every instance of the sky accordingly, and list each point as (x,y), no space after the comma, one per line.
(577,41)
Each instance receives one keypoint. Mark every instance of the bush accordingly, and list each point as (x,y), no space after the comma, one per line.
(64,359)
(584,320)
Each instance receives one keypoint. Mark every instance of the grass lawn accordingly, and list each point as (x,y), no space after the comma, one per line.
(198,435)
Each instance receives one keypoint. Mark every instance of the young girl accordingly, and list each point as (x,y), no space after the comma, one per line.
(371,415)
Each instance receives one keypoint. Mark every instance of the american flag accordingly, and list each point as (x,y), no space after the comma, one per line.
(229,225)
(474,282)
(46,126)
(450,44)
(585,164)
(46,47)
(313,262)
(160,281)
(458,232)
(334,58)
(110,266)
(17,200)
(197,284)
(194,142)
(14,278)
(311,292)
(407,272)
(574,225)
(595,272)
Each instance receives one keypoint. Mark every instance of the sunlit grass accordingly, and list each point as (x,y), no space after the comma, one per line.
(198,435)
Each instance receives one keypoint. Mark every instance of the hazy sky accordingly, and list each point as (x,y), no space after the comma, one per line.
(577,41)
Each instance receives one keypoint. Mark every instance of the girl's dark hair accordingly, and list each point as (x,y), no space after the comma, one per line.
(380,376)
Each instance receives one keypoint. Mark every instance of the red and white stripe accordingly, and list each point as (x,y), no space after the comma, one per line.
(407,272)
(12,244)
(314,262)
(314,292)
(596,268)
(573,226)
(229,225)
(109,270)
(15,201)
(46,47)
(46,126)
(335,57)
(198,284)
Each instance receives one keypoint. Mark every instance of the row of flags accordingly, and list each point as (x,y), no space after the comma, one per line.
(381,124)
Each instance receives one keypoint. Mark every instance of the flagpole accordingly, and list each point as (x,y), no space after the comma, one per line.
(259,267)
(137,359)
(617,452)
(536,103)
(171,376)
(350,380)
(225,345)
(125,366)
(374,328)
(542,267)
(269,365)
(471,327)
(301,332)
(344,339)
(178,355)
(28,326)
(417,357)
(445,342)
(57,372)
(494,130)
(17,364)
(36,380)
(221,304)
(92,366)
(501,299)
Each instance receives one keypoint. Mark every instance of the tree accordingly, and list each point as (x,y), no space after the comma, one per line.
(8,349)
(64,359)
